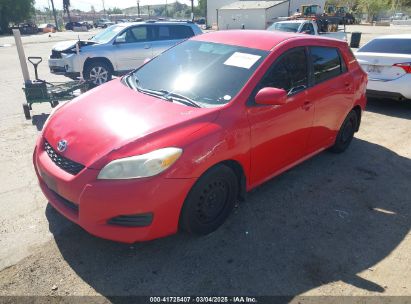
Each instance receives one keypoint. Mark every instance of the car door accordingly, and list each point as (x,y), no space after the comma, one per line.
(132,47)
(332,94)
(168,35)
(279,134)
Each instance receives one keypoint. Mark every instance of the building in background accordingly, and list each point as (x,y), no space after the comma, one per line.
(220,11)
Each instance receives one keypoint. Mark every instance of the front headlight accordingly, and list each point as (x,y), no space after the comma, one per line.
(139,166)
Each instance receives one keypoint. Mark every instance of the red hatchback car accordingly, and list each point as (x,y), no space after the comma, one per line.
(177,142)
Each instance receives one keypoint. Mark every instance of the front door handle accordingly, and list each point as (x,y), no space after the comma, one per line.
(307,105)
(147,46)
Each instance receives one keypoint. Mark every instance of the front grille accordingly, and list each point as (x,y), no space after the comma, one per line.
(64,163)
(55,54)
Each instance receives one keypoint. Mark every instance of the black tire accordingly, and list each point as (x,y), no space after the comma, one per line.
(26,110)
(210,201)
(98,72)
(346,133)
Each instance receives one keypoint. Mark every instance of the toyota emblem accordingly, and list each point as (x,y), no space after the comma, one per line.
(62,145)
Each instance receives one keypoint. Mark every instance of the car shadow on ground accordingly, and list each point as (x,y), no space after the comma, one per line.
(390,107)
(39,121)
(326,220)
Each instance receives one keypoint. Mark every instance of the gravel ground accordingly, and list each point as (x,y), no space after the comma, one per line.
(335,225)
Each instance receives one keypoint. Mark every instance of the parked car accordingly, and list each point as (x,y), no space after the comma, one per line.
(47,28)
(400,16)
(103,23)
(88,24)
(305,26)
(27,28)
(122,21)
(177,142)
(387,60)
(118,49)
(76,26)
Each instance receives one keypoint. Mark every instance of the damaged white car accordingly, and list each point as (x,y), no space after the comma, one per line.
(118,49)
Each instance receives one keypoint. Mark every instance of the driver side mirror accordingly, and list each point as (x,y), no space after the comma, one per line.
(271,96)
(120,39)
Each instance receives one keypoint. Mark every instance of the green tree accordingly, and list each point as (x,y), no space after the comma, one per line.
(66,8)
(373,7)
(14,11)
(114,10)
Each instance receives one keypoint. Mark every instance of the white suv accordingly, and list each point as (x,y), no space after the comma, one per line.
(387,60)
(118,49)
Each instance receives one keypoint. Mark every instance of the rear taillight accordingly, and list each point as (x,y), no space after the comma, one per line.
(406,66)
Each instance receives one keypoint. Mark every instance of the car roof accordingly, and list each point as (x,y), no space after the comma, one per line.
(292,21)
(256,39)
(156,22)
(398,36)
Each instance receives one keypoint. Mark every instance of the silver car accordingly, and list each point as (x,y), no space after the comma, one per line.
(118,49)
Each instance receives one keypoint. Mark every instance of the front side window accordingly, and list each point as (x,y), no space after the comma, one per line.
(326,63)
(140,33)
(289,72)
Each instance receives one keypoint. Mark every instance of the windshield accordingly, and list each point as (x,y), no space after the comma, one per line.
(108,34)
(209,74)
(387,45)
(285,27)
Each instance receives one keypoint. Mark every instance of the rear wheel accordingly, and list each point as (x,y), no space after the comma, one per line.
(98,72)
(346,133)
(210,201)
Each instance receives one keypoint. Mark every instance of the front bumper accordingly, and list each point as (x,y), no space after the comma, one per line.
(67,64)
(93,203)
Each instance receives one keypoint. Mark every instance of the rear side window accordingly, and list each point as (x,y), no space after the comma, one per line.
(172,32)
(327,63)
(394,46)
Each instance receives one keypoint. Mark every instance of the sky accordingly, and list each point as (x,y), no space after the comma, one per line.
(86,4)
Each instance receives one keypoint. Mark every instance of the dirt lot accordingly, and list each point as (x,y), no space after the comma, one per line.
(335,225)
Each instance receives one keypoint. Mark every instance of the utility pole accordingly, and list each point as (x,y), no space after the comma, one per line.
(148,11)
(289,8)
(166,10)
(104,8)
(54,14)
(192,10)
(138,8)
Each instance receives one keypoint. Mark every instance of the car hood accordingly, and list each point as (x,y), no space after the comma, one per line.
(68,45)
(111,116)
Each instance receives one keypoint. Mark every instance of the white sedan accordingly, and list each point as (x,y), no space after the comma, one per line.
(387,60)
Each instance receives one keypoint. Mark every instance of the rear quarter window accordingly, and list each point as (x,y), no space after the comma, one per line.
(327,63)
(394,46)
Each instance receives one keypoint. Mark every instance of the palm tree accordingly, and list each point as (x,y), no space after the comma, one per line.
(66,8)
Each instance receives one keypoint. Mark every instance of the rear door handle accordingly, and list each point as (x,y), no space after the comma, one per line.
(307,105)
(147,46)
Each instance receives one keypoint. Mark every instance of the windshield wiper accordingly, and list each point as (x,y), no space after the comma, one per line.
(132,81)
(181,98)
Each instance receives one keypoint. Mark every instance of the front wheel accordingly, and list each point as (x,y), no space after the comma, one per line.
(98,72)
(210,201)
(346,133)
